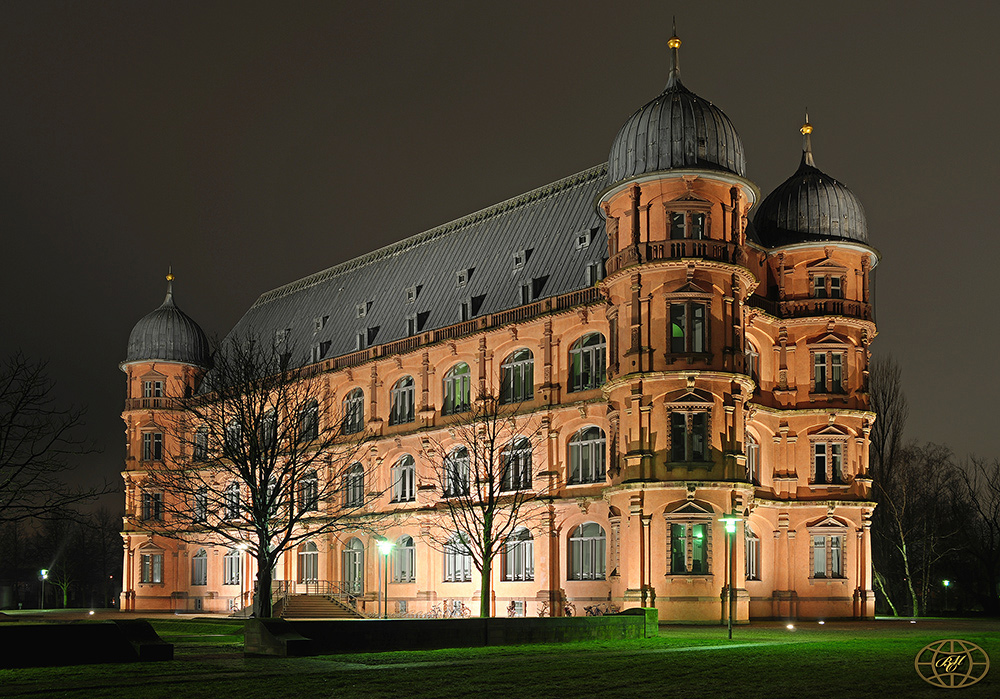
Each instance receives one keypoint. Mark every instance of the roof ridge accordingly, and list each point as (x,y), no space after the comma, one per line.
(431,234)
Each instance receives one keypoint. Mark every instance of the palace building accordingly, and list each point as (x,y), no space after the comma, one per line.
(689,351)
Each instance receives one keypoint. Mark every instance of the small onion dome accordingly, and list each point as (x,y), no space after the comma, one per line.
(678,129)
(810,206)
(168,335)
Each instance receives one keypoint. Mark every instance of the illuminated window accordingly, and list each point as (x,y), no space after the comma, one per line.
(269,430)
(309,421)
(308,563)
(457,560)
(516,458)
(456,473)
(354,566)
(152,446)
(587,362)
(686,224)
(354,412)
(354,486)
(234,436)
(688,435)
(199,568)
(401,401)
(152,389)
(519,556)
(403,479)
(688,329)
(517,377)
(152,506)
(752,359)
(828,462)
(752,554)
(689,548)
(827,287)
(828,372)
(457,384)
(201,444)
(232,500)
(404,560)
(231,567)
(151,567)
(200,509)
(587,552)
(587,453)
(828,556)
(309,492)
(753,459)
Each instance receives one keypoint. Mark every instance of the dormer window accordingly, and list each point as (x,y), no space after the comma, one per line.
(465,310)
(361,341)
(461,277)
(281,338)
(595,273)
(411,294)
(582,240)
(519,259)
(411,324)
(361,309)
(525,294)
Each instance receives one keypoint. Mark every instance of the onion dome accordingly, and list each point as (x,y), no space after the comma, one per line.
(810,206)
(168,335)
(678,129)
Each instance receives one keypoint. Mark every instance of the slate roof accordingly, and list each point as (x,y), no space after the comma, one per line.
(545,222)
(167,334)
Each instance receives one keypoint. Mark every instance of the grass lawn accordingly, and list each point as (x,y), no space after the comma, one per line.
(838,659)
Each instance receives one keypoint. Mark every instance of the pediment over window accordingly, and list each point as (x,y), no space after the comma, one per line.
(688,201)
(690,287)
(829,340)
(694,398)
(831,431)
(828,523)
(152,375)
(695,508)
(825,267)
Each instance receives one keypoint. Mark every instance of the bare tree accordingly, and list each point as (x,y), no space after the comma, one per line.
(981,485)
(490,485)
(263,461)
(39,440)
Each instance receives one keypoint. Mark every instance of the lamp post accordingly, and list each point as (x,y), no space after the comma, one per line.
(947,584)
(385,548)
(43,575)
(242,548)
(730,522)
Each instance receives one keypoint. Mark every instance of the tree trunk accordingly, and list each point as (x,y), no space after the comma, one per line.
(914,602)
(262,595)
(485,589)
(880,583)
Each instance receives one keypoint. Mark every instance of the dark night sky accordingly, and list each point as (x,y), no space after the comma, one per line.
(250,144)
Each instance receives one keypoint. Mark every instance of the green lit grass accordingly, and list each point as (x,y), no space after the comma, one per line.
(841,660)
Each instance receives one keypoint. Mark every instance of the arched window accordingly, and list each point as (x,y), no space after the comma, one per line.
(231,567)
(309,492)
(457,560)
(519,556)
(403,479)
(309,422)
(354,412)
(587,362)
(269,430)
(308,563)
(752,554)
(517,472)
(404,560)
(199,568)
(354,486)
(517,382)
(354,566)
(232,500)
(456,473)
(234,435)
(456,389)
(586,456)
(753,459)
(401,400)
(587,552)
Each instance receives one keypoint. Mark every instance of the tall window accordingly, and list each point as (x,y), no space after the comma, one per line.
(151,567)
(152,389)
(309,492)
(587,451)
(828,372)
(232,500)
(689,548)
(457,560)
(828,462)
(827,287)
(587,552)
(516,458)
(688,329)
(688,436)
(200,510)
(231,567)
(519,556)
(686,224)
(587,362)
(234,435)
(308,563)
(456,389)
(401,399)
(753,363)
(752,555)
(354,566)
(404,479)
(152,506)
(199,568)
(269,430)
(753,459)
(201,444)
(309,422)
(404,560)
(152,446)
(828,556)
(354,486)
(354,412)
(517,383)
(456,473)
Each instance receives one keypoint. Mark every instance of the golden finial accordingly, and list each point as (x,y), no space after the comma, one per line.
(806,127)
(675,71)
(807,150)
(675,42)
(170,274)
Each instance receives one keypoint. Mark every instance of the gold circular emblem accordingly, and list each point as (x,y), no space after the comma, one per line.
(951,663)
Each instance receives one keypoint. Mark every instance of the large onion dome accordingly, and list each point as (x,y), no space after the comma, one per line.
(168,335)
(678,129)
(810,206)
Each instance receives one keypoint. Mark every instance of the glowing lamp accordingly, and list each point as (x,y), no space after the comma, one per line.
(730,523)
(385,547)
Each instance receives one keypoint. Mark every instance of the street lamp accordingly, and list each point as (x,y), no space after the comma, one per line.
(242,548)
(385,548)
(43,575)
(730,522)
(947,584)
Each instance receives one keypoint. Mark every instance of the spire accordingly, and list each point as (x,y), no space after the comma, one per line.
(169,299)
(807,148)
(674,77)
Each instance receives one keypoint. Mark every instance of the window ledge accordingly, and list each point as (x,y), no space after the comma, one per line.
(690,577)
(691,357)
(813,581)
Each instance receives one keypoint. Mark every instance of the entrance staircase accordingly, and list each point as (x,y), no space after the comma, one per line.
(314,607)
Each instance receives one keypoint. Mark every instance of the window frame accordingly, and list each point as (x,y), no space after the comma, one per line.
(151,506)
(518,564)
(354,485)
(517,377)
(751,554)
(232,501)
(353,421)
(457,390)
(518,466)
(457,474)
(307,560)
(199,568)
(588,553)
(457,560)
(151,566)
(309,492)
(588,362)
(751,448)
(695,341)
(588,449)
(689,537)
(152,446)
(232,567)
(833,556)
(404,560)
(690,416)
(401,401)
(403,474)
(833,450)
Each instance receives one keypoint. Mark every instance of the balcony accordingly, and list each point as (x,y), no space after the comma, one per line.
(803,308)
(158,403)
(718,250)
